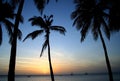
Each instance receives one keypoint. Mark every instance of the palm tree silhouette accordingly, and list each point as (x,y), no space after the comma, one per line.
(92,15)
(20,3)
(11,71)
(45,25)
(5,15)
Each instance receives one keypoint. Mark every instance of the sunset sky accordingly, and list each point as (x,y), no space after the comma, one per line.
(68,54)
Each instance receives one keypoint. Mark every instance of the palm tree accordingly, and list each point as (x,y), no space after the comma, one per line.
(5,15)
(92,15)
(45,27)
(11,71)
(40,4)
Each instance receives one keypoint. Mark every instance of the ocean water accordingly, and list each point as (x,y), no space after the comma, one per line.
(64,78)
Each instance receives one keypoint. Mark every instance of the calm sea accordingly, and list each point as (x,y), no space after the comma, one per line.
(64,78)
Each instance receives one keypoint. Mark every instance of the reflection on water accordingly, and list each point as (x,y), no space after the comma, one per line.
(63,78)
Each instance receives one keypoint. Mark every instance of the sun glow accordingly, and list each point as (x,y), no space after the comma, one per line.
(32,66)
(40,66)
(44,68)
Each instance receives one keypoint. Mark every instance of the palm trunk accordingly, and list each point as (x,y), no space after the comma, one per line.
(11,72)
(106,57)
(50,64)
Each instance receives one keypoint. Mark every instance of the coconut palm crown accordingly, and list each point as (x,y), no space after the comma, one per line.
(45,27)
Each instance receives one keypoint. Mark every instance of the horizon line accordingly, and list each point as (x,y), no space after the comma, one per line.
(86,73)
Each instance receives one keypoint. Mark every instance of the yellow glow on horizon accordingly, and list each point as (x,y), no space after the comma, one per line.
(45,70)
(32,66)
(44,67)
(41,65)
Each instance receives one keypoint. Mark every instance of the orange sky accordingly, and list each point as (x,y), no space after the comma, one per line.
(41,65)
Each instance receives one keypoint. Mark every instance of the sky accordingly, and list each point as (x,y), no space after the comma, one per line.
(68,54)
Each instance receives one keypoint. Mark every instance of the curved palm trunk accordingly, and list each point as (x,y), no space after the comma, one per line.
(11,72)
(50,64)
(106,57)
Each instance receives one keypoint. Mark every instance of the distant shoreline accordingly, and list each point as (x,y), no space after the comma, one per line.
(73,74)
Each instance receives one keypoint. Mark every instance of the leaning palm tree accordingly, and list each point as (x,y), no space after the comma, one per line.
(45,27)
(6,13)
(91,15)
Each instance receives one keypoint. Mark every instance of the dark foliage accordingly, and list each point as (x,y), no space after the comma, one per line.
(6,13)
(97,16)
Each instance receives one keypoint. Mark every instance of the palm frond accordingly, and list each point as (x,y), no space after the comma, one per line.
(11,39)
(14,3)
(74,15)
(38,21)
(106,29)
(40,4)
(34,34)
(0,35)
(8,26)
(7,10)
(60,29)
(48,1)
(19,35)
(95,34)
(85,30)
(44,47)
(51,16)
(48,20)
(21,18)
(78,23)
